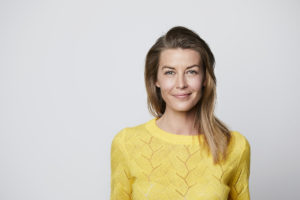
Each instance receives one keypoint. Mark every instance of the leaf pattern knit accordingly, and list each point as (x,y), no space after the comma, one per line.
(150,163)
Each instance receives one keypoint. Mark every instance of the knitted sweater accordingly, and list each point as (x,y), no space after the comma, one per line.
(150,163)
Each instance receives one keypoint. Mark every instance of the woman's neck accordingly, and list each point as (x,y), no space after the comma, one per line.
(181,123)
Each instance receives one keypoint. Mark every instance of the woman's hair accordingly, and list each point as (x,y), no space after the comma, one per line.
(217,135)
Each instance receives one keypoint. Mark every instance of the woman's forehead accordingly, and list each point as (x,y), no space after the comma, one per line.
(179,58)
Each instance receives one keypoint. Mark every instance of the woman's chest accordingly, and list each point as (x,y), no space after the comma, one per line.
(176,172)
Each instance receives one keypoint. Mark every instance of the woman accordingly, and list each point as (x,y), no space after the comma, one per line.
(184,152)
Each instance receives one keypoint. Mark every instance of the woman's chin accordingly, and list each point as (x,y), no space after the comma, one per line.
(182,108)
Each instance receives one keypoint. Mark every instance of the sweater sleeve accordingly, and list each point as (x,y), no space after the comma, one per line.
(240,182)
(120,174)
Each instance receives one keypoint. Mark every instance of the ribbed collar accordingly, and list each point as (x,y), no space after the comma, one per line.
(154,130)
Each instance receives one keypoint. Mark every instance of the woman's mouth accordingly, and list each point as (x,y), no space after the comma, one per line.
(182,96)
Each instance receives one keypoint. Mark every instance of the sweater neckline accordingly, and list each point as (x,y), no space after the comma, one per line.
(172,137)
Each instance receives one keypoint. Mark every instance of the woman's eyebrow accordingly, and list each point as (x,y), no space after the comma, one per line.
(193,66)
(165,66)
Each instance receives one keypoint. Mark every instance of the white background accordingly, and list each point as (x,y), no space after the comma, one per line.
(71,76)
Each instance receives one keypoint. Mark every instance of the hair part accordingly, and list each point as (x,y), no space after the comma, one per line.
(217,135)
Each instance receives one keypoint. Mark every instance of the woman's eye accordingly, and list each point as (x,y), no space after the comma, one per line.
(169,72)
(193,72)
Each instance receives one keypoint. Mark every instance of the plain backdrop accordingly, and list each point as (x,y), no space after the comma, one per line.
(72,76)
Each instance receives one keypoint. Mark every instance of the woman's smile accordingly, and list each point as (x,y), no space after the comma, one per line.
(182,96)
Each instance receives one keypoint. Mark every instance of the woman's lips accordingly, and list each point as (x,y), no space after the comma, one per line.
(182,96)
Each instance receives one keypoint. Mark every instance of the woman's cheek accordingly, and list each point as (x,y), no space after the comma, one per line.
(195,83)
(167,84)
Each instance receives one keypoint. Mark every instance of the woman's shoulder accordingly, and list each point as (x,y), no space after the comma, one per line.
(238,142)
(238,136)
(130,132)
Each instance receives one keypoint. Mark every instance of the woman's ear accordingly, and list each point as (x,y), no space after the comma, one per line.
(157,84)
(204,83)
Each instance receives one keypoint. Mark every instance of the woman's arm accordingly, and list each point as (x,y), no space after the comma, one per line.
(240,182)
(120,175)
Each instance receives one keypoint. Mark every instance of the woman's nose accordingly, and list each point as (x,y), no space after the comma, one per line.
(181,82)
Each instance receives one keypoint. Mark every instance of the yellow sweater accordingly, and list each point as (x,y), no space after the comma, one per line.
(150,163)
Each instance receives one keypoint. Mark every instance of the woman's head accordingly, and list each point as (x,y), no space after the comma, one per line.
(181,48)
(180,79)
(182,41)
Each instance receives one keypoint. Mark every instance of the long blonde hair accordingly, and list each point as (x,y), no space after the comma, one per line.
(217,135)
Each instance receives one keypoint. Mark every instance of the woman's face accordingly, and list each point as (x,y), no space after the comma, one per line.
(180,79)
